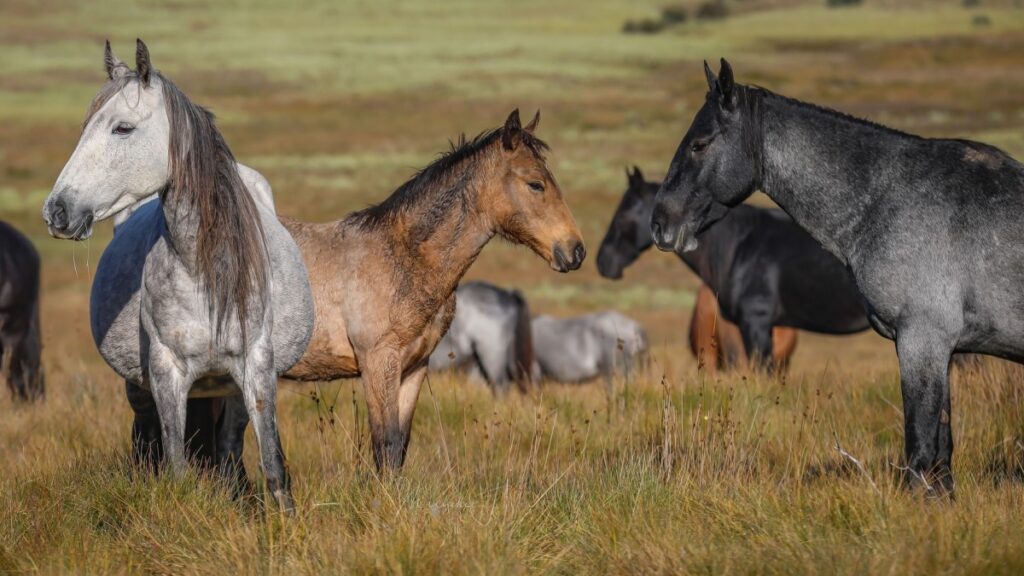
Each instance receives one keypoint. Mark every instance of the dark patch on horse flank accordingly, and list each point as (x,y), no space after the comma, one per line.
(426,183)
(231,255)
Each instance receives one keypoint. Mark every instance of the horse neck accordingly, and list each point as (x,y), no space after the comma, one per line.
(713,257)
(822,169)
(182,226)
(438,250)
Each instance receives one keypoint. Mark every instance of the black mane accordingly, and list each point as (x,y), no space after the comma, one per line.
(425,182)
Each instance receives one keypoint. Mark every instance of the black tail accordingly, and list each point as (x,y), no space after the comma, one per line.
(523,361)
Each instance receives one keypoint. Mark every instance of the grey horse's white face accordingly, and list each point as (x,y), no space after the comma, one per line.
(121,158)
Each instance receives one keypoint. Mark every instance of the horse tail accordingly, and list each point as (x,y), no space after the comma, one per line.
(523,349)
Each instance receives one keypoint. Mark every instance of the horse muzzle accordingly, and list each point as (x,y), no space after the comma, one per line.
(563,262)
(63,223)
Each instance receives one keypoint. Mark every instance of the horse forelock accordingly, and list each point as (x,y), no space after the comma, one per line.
(230,252)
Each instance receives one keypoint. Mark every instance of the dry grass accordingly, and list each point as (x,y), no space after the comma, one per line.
(337,103)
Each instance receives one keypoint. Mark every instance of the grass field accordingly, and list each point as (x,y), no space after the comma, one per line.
(676,472)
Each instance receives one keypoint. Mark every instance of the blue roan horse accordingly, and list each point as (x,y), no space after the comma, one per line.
(930,228)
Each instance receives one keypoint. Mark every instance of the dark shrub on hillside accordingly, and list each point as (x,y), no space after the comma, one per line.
(712,10)
(645,26)
(842,3)
(970,3)
(981,20)
(673,15)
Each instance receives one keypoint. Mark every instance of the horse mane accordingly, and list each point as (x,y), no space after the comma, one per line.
(435,181)
(756,94)
(231,254)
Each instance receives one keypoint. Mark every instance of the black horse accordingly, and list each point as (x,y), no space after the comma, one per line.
(20,347)
(764,269)
(930,229)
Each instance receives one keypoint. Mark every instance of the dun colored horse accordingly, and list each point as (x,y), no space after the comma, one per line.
(384,278)
(717,343)
(930,228)
(19,315)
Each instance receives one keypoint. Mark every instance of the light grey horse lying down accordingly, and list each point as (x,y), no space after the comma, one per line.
(489,337)
(581,348)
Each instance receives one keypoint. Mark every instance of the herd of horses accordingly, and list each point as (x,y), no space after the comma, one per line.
(205,298)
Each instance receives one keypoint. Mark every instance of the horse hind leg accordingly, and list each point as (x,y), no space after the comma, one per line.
(230,444)
(147,447)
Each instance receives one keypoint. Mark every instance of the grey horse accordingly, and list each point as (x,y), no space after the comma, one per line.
(489,336)
(581,348)
(202,292)
(930,229)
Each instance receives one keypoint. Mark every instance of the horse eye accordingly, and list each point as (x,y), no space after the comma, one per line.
(123,129)
(699,145)
(536,186)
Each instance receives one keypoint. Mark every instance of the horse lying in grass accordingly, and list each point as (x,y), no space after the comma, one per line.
(202,292)
(20,345)
(489,336)
(384,278)
(717,343)
(581,348)
(930,229)
(763,269)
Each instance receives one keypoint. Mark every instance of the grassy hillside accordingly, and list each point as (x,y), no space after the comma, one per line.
(337,104)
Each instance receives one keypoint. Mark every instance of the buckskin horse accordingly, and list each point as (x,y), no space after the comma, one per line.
(930,229)
(201,292)
(384,278)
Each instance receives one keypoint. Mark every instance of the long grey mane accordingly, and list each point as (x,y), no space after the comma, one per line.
(204,185)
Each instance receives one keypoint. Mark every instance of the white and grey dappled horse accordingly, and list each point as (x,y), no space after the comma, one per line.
(581,348)
(489,336)
(202,292)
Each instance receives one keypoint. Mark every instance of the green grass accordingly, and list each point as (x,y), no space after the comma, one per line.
(337,103)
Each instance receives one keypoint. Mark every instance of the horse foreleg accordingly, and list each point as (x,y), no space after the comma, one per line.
(170,384)
(408,394)
(259,393)
(756,331)
(381,378)
(231,443)
(924,380)
(147,449)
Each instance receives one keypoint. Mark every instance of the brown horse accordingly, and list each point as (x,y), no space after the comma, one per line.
(19,315)
(384,278)
(717,343)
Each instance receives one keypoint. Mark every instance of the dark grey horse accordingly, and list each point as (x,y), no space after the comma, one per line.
(765,270)
(19,315)
(489,336)
(930,229)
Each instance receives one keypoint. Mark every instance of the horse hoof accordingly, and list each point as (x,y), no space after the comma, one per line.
(285,503)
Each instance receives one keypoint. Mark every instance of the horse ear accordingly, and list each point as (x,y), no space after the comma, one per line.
(727,84)
(142,65)
(636,177)
(115,68)
(712,81)
(533,123)
(511,133)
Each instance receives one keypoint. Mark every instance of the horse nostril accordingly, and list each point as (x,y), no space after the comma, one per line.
(578,254)
(656,231)
(58,215)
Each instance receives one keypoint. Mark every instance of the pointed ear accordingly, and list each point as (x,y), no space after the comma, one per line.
(727,84)
(636,178)
(142,64)
(115,68)
(511,133)
(533,123)
(712,81)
